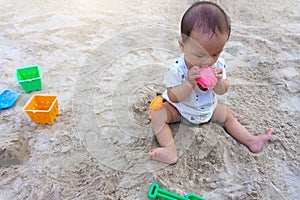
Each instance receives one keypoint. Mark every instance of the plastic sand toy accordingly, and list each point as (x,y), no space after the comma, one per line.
(156,193)
(29,78)
(208,77)
(8,98)
(155,105)
(42,109)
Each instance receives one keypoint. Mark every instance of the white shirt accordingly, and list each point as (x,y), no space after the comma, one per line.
(199,106)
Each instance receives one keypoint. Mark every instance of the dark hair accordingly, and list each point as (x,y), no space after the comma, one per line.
(205,16)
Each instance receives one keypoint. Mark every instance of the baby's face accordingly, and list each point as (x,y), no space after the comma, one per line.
(203,50)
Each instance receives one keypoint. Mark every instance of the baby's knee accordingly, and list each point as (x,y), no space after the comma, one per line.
(158,114)
(229,114)
(224,116)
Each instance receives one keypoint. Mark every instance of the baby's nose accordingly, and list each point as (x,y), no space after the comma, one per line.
(207,61)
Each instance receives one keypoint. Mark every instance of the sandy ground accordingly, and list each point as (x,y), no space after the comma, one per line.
(105,61)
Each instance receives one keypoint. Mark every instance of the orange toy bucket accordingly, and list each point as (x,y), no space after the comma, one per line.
(42,109)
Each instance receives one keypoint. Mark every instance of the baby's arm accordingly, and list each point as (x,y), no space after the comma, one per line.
(180,92)
(222,85)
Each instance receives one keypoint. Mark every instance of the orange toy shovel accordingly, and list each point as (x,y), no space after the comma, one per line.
(156,104)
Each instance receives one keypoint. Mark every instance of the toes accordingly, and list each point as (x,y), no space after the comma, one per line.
(269,132)
(152,153)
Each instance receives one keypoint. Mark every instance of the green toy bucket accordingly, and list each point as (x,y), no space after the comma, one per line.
(29,78)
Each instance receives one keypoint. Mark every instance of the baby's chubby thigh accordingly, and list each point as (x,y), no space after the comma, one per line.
(167,113)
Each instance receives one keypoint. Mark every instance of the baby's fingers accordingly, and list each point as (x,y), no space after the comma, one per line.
(195,70)
(218,72)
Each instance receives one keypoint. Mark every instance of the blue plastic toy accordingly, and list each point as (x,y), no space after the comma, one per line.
(8,98)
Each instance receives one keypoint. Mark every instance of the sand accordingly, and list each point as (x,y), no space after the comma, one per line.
(105,60)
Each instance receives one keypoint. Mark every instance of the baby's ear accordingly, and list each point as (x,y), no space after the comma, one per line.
(181,44)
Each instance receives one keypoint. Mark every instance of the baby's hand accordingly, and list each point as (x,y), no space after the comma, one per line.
(193,74)
(218,72)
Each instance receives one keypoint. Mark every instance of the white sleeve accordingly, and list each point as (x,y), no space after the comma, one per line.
(221,64)
(173,77)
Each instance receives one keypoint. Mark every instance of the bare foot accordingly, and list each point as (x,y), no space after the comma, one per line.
(259,141)
(163,154)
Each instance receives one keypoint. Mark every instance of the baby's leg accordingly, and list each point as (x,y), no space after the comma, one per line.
(222,114)
(160,118)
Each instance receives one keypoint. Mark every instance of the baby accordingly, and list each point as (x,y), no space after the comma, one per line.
(205,28)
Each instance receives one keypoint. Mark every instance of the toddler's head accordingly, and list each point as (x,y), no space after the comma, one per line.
(205,17)
(205,28)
